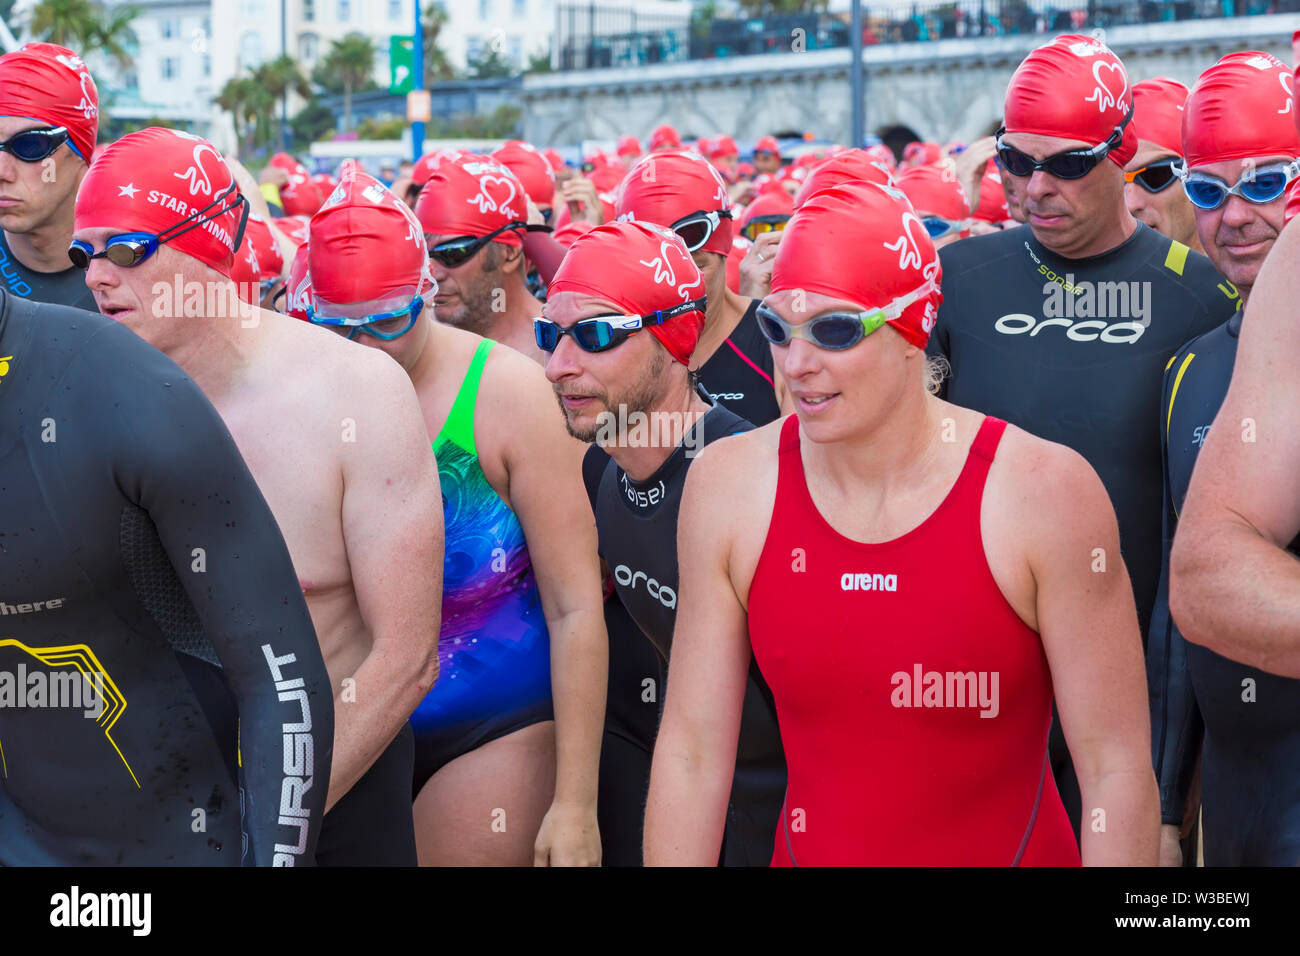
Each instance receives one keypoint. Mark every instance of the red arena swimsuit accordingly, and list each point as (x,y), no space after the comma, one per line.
(913,702)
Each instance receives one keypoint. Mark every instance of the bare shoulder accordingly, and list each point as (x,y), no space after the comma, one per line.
(333,369)
(1045,487)
(512,380)
(751,454)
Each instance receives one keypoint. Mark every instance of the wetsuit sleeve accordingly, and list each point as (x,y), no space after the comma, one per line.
(1176,725)
(545,253)
(174,458)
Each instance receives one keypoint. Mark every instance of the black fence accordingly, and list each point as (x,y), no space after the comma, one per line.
(591,35)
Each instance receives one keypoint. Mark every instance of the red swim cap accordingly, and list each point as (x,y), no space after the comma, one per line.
(299,196)
(325,184)
(258,258)
(1240,108)
(922,154)
(367,251)
(293,228)
(880,153)
(723,145)
(641,268)
(665,137)
(1072,88)
(567,234)
(992,206)
(297,288)
(769,144)
(769,202)
(554,158)
(629,146)
(156,179)
(50,83)
(430,163)
(530,168)
(665,187)
(1158,112)
(472,196)
(934,192)
(863,242)
(852,165)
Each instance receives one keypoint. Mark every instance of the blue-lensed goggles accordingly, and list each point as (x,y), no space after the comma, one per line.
(386,326)
(936,227)
(1262,185)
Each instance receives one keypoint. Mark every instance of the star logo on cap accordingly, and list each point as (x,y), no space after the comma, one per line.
(128,190)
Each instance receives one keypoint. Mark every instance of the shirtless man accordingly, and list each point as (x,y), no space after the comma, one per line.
(333,436)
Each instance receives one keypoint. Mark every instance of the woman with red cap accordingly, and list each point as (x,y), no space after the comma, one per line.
(513,725)
(856,514)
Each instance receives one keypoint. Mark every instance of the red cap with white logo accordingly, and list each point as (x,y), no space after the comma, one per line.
(666,187)
(158,180)
(258,258)
(641,268)
(472,196)
(1243,107)
(1073,88)
(864,243)
(530,168)
(299,196)
(50,83)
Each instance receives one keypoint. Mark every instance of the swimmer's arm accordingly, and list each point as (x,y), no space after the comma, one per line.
(392,527)
(1088,623)
(695,752)
(228,552)
(548,495)
(1233,587)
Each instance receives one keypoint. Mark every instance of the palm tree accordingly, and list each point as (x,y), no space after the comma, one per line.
(352,60)
(251,107)
(86,26)
(436,65)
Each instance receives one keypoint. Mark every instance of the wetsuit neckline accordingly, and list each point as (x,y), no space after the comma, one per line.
(1234,322)
(673,461)
(1101,258)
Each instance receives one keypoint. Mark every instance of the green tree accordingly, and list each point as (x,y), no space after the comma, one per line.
(251,108)
(311,123)
(352,60)
(489,64)
(539,62)
(86,26)
(437,68)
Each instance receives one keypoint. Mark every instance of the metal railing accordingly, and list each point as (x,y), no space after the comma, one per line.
(589,35)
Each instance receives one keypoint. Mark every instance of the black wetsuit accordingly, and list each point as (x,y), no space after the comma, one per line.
(134,544)
(1071,350)
(66,287)
(739,373)
(1247,721)
(637,526)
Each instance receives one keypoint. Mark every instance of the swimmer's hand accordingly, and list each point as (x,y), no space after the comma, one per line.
(569,836)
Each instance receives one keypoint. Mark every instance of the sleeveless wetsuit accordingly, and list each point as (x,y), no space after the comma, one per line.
(493,649)
(739,373)
(913,737)
(637,525)
(1249,733)
(1071,350)
(136,549)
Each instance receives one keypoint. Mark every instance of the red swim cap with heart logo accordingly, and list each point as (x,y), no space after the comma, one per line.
(258,258)
(50,83)
(864,243)
(470,195)
(158,179)
(934,192)
(299,196)
(665,187)
(530,168)
(641,268)
(1243,107)
(1072,88)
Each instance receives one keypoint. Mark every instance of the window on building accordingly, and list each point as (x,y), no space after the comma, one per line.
(207,64)
(517,52)
(473,47)
(395,9)
(308,47)
(485,9)
(345,10)
(169,29)
(131,81)
(253,9)
(250,49)
(309,10)
(521,8)
(170,67)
